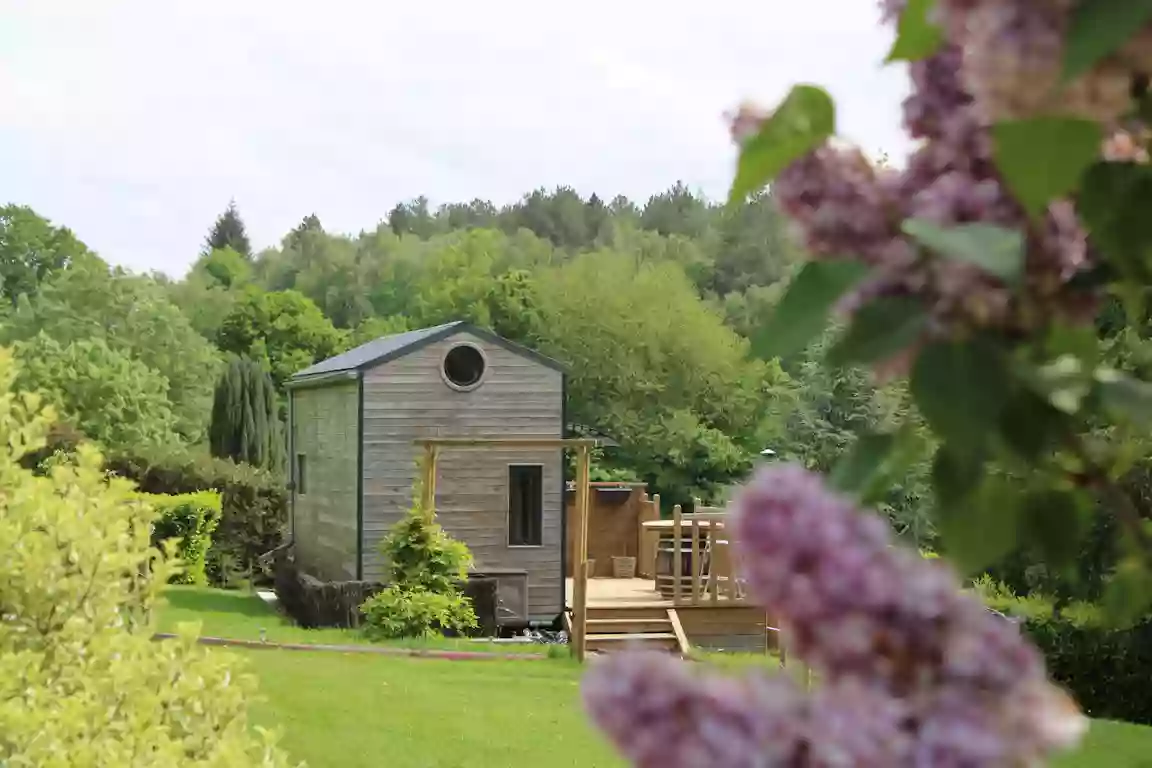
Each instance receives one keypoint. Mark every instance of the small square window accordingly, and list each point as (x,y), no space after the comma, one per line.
(301,474)
(525,505)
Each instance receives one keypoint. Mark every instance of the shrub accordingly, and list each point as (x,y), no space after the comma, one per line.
(82,682)
(1103,666)
(190,519)
(415,612)
(425,568)
(254,505)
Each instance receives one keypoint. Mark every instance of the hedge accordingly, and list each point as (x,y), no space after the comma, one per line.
(253,514)
(190,520)
(1106,669)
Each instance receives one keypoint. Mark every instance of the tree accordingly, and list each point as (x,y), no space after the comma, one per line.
(133,315)
(225,267)
(110,397)
(245,423)
(84,681)
(229,232)
(31,250)
(283,330)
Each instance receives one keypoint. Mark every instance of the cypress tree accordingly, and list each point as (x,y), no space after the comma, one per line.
(245,417)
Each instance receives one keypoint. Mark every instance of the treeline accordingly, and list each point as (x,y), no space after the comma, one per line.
(652,306)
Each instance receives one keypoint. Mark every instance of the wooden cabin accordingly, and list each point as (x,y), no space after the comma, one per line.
(354,423)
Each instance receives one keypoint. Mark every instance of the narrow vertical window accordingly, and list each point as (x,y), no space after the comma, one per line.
(525,505)
(301,474)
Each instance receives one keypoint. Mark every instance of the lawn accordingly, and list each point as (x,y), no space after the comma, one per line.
(239,615)
(340,710)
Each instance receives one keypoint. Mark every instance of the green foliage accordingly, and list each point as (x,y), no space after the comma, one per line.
(228,232)
(254,504)
(1105,668)
(1042,159)
(1098,28)
(879,330)
(245,423)
(917,36)
(133,316)
(32,250)
(421,555)
(112,398)
(802,314)
(190,520)
(82,682)
(283,330)
(226,267)
(398,612)
(802,122)
(998,251)
(425,569)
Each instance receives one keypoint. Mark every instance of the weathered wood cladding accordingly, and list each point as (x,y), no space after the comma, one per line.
(406,398)
(326,433)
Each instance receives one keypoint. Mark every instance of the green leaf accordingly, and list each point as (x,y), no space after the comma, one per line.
(1125,396)
(1030,425)
(1043,158)
(802,122)
(858,468)
(1129,593)
(961,387)
(981,532)
(956,475)
(1054,522)
(998,251)
(916,36)
(879,330)
(1098,29)
(802,313)
(1065,383)
(1113,203)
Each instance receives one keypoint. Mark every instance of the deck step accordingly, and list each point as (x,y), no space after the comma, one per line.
(628,626)
(660,641)
(633,613)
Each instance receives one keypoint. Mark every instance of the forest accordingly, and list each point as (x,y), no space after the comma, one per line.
(654,307)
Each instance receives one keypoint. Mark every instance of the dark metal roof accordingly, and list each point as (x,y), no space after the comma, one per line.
(391,347)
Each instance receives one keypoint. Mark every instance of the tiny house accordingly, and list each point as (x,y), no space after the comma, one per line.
(354,420)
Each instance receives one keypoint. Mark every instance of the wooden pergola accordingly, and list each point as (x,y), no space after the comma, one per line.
(582,447)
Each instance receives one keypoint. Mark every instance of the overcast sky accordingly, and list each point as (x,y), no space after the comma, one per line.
(135,121)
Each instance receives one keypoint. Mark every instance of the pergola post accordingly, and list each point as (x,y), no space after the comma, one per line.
(580,572)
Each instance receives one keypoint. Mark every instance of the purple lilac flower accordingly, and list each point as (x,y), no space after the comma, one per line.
(912,671)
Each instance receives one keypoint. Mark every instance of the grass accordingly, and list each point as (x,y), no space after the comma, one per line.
(243,615)
(358,711)
(355,711)
(346,710)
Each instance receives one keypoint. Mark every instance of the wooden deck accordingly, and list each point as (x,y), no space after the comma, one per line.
(607,593)
(726,625)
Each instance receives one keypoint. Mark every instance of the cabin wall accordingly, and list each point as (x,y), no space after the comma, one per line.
(407,398)
(326,433)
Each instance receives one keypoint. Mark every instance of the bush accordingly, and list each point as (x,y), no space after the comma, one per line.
(426,568)
(415,612)
(253,513)
(190,519)
(82,682)
(1105,668)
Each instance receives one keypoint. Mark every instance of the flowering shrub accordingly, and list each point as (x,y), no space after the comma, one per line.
(977,270)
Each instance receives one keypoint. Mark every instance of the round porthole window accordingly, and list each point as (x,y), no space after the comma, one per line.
(464,367)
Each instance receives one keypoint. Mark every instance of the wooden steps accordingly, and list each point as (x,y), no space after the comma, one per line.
(620,627)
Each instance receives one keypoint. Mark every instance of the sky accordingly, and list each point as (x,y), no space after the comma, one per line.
(134,122)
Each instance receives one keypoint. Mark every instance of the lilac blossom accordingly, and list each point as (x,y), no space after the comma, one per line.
(912,671)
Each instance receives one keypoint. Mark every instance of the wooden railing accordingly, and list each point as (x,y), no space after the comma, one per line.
(702,570)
